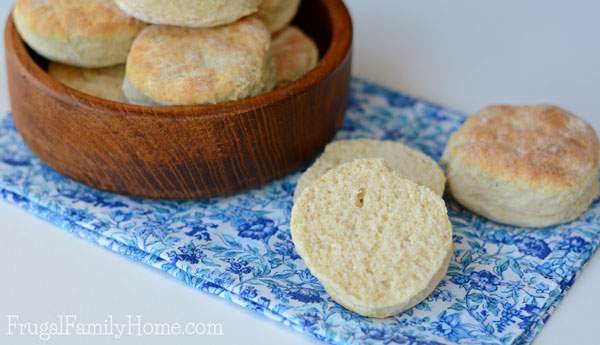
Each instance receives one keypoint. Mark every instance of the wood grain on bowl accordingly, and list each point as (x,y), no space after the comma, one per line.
(185,152)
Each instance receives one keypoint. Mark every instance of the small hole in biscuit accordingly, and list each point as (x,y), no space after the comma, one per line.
(360,198)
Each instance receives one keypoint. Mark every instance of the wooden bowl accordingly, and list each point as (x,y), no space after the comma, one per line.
(185,152)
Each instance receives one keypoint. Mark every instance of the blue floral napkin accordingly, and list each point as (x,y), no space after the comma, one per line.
(502,284)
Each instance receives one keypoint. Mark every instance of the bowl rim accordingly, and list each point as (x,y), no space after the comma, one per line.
(338,50)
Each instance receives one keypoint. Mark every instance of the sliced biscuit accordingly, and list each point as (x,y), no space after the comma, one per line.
(294,54)
(84,33)
(100,82)
(189,13)
(277,14)
(171,65)
(524,165)
(407,162)
(378,243)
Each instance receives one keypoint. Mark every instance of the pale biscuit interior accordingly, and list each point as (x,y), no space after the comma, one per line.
(408,163)
(378,243)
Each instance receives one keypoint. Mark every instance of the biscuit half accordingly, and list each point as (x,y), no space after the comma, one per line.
(531,166)
(189,13)
(99,82)
(84,33)
(408,163)
(277,14)
(171,65)
(378,243)
(294,54)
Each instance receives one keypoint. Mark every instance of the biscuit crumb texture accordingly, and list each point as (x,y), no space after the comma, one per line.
(294,54)
(171,65)
(378,243)
(407,162)
(529,166)
(84,33)
(189,13)
(100,82)
(277,14)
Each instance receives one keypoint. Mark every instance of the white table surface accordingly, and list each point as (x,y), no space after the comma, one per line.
(462,54)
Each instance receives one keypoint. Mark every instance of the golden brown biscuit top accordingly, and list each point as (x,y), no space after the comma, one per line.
(100,82)
(196,66)
(534,145)
(276,14)
(294,54)
(62,19)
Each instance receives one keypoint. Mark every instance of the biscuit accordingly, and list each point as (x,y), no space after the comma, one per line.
(408,163)
(529,166)
(294,54)
(99,82)
(171,65)
(277,14)
(378,243)
(84,33)
(189,13)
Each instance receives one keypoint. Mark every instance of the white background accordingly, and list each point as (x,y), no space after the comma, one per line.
(462,54)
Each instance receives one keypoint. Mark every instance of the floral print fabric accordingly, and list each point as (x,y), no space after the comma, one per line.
(502,284)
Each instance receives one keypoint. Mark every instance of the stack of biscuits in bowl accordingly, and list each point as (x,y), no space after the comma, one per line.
(182,52)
